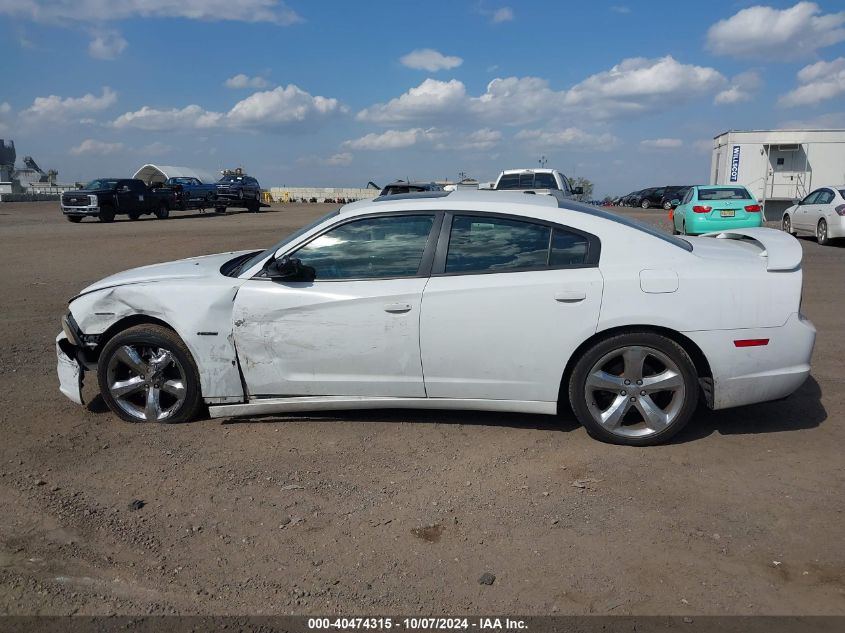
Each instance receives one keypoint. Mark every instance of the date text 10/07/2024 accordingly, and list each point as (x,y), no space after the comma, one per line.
(417,624)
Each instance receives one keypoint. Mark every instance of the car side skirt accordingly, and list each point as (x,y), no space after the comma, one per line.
(266,406)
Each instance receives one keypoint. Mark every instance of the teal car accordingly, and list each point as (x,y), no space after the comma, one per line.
(708,208)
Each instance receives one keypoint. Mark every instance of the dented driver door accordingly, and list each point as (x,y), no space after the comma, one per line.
(354,330)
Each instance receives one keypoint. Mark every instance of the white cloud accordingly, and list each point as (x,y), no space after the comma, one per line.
(567,137)
(341,159)
(92,146)
(152,119)
(742,88)
(762,32)
(156,148)
(391,139)
(820,122)
(479,140)
(56,108)
(639,84)
(635,85)
(430,60)
(819,82)
(283,107)
(52,11)
(107,45)
(621,9)
(245,81)
(430,100)
(705,145)
(505,14)
(662,143)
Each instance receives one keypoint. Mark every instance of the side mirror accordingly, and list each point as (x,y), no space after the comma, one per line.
(290,269)
(675,202)
(796,202)
(578,191)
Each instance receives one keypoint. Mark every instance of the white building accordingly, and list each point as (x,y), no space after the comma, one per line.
(778,166)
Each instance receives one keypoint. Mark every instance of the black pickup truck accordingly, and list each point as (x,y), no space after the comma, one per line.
(105,198)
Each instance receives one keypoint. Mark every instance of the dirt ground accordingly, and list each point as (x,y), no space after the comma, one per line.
(394,511)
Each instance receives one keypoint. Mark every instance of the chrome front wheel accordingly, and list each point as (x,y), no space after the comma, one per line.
(146,374)
(821,232)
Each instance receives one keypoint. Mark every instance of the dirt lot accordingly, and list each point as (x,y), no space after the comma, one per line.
(397,511)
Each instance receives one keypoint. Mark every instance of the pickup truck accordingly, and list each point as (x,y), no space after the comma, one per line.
(105,198)
(191,192)
(541,181)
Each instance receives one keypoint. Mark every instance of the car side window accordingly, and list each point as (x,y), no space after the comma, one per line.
(811,199)
(825,196)
(369,248)
(545,181)
(482,244)
(688,196)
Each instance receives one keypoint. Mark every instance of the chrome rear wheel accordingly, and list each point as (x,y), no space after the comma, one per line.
(636,388)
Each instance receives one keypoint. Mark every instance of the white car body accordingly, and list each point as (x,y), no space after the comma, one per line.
(498,341)
(824,203)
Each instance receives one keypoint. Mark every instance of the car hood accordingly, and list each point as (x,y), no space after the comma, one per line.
(85,192)
(193,267)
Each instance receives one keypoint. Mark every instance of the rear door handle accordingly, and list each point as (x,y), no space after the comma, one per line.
(570,296)
(397,308)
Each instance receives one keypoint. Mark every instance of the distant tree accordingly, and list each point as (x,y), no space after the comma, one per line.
(586,185)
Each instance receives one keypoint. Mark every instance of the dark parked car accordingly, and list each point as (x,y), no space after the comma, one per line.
(402,186)
(238,187)
(105,198)
(191,191)
(628,201)
(651,197)
(673,193)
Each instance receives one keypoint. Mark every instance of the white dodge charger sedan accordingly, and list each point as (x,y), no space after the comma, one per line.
(492,301)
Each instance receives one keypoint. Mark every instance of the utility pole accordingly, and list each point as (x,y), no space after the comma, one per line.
(542,161)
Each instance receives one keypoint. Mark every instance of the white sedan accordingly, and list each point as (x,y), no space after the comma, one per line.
(822,214)
(491,301)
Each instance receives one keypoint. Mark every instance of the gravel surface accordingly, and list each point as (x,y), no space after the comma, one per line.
(394,511)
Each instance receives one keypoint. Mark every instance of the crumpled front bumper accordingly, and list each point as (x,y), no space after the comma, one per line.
(70,371)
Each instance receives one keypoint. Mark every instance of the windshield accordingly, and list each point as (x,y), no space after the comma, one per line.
(103,183)
(252,261)
(231,179)
(724,193)
(182,181)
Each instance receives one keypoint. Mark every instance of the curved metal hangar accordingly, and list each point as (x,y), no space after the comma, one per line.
(478,300)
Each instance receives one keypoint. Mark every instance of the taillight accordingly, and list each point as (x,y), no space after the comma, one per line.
(753,208)
(698,209)
(751,342)
(841,209)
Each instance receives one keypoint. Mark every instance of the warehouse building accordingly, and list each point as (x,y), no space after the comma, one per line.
(779,166)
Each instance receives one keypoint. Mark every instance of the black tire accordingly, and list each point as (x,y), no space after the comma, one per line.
(162,213)
(645,204)
(220,209)
(106,215)
(134,215)
(822,236)
(153,337)
(76,219)
(786,224)
(627,433)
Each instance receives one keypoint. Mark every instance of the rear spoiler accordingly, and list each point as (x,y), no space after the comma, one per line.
(781,250)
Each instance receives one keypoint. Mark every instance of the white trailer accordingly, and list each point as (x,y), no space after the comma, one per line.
(779,166)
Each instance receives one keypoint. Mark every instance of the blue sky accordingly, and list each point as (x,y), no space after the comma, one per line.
(338,93)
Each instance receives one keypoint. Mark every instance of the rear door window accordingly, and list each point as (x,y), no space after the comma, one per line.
(825,197)
(485,244)
(811,199)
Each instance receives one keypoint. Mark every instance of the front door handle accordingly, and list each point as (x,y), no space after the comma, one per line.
(397,308)
(570,296)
